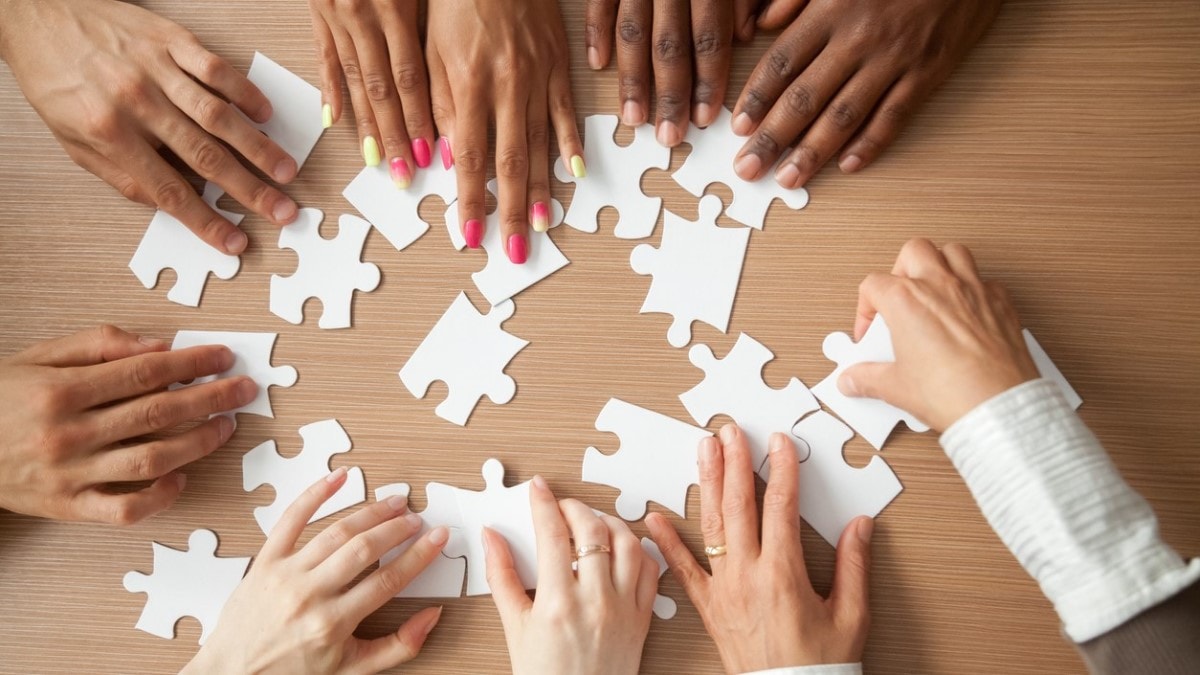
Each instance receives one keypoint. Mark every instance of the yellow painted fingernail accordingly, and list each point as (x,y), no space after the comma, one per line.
(578,169)
(326,116)
(371,151)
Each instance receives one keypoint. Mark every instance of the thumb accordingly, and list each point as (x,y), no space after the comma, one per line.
(850,577)
(871,380)
(507,590)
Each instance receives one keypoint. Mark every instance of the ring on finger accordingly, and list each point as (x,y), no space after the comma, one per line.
(582,552)
(715,551)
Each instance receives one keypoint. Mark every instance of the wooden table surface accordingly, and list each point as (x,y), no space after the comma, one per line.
(1065,151)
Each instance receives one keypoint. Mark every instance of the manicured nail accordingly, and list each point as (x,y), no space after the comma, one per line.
(594,58)
(708,451)
(264,113)
(447,156)
(420,151)
(414,521)
(433,621)
(539,217)
(669,134)
(540,483)
(285,211)
(788,176)
(401,176)
(473,233)
(370,151)
(439,535)
(578,168)
(850,163)
(728,433)
(224,361)
(153,343)
(181,479)
(631,114)
(337,475)
(748,166)
(224,428)
(865,527)
(743,125)
(247,391)
(326,116)
(703,114)
(236,242)
(779,443)
(483,538)
(518,249)
(397,503)
(285,170)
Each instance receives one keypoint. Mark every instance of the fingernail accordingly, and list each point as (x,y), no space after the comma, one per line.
(181,479)
(743,125)
(413,520)
(578,168)
(518,251)
(728,433)
(224,359)
(748,28)
(420,151)
(401,176)
(236,242)
(539,217)
(433,621)
(370,151)
(337,475)
(788,176)
(224,428)
(285,170)
(153,343)
(748,166)
(397,503)
(669,134)
(631,114)
(447,156)
(285,211)
(708,451)
(850,163)
(473,233)
(702,116)
(326,116)
(778,443)
(540,483)
(594,58)
(247,390)
(264,113)
(866,526)
(439,535)
(483,539)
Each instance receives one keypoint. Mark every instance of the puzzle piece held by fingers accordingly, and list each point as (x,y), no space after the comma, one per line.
(251,357)
(295,123)
(443,578)
(395,212)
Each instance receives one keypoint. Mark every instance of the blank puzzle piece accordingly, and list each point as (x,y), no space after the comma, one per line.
(328,269)
(711,161)
(1048,370)
(655,463)
(734,386)
(614,178)
(695,270)
(505,510)
(291,476)
(469,352)
(500,279)
(168,243)
(444,576)
(394,212)
(664,607)
(194,583)
(251,357)
(295,123)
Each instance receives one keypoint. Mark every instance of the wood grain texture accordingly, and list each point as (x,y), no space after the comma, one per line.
(1065,151)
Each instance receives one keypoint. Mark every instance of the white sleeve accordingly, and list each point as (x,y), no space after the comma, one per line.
(822,669)
(1050,492)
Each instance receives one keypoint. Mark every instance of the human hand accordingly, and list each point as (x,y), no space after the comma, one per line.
(506,61)
(375,43)
(847,74)
(73,411)
(115,83)
(758,604)
(590,622)
(296,611)
(957,338)
(669,42)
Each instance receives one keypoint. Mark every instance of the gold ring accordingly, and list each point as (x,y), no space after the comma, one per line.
(582,552)
(715,551)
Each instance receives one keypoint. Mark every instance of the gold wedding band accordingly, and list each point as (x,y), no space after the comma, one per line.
(582,552)
(715,551)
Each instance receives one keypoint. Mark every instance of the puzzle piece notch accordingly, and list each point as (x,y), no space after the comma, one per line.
(295,123)
(734,386)
(168,243)
(695,271)
(469,352)
(328,269)
(251,357)
(614,179)
(195,583)
(505,510)
(291,476)
(656,460)
(443,578)
(711,161)
(664,607)
(397,213)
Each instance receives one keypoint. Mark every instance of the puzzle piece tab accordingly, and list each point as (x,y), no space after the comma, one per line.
(394,212)
(251,357)
(664,607)
(443,578)
(711,161)
(505,510)
(656,461)
(695,271)
(469,352)
(329,269)
(614,178)
(195,583)
(291,476)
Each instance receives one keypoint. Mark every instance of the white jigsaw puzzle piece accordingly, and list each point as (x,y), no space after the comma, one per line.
(394,212)
(664,607)
(329,269)
(1047,369)
(443,578)
(695,271)
(711,161)
(656,461)
(195,583)
(500,279)
(833,493)
(291,476)
(505,510)
(734,386)
(614,178)
(169,244)
(469,352)
(251,357)
(295,123)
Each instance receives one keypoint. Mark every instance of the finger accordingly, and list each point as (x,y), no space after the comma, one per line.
(788,57)
(595,569)
(778,13)
(108,172)
(712,41)
(712,489)
(503,580)
(744,18)
(154,459)
(683,564)
(512,172)
(961,262)
(627,555)
(647,584)
(331,71)
(333,538)
(553,539)
(781,503)
(536,120)
(360,102)
(389,651)
(411,81)
(672,61)
(281,540)
(101,344)
(634,25)
(871,292)
(851,584)
(598,32)
(131,507)
(366,547)
(380,87)
(216,73)
(887,121)
(441,101)
(833,128)
(562,114)
(166,410)
(384,583)
(920,259)
(739,509)
(470,162)
(151,372)
(873,380)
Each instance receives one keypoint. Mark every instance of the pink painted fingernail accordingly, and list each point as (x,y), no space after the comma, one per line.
(420,151)
(447,156)
(401,175)
(539,217)
(473,233)
(518,249)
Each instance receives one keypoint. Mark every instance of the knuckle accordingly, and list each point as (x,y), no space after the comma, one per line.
(359,550)
(352,71)
(326,52)
(669,105)
(103,125)
(391,579)
(777,500)
(668,49)
(409,78)
(210,111)
(895,112)
(708,42)
(132,89)
(172,195)
(470,160)
(512,164)
(755,103)
(764,143)
(208,158)
(844,115)
(144,374)
(780,64)
(800,100)
(210,67)
(123,512)
(736,508)
(631,84)
(378,88)
(631,32)
(712,523)
(156,415)
(537,134)
(148,464)
(704,90)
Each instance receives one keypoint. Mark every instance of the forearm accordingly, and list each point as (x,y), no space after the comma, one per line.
(1050,492)
(1159,641)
